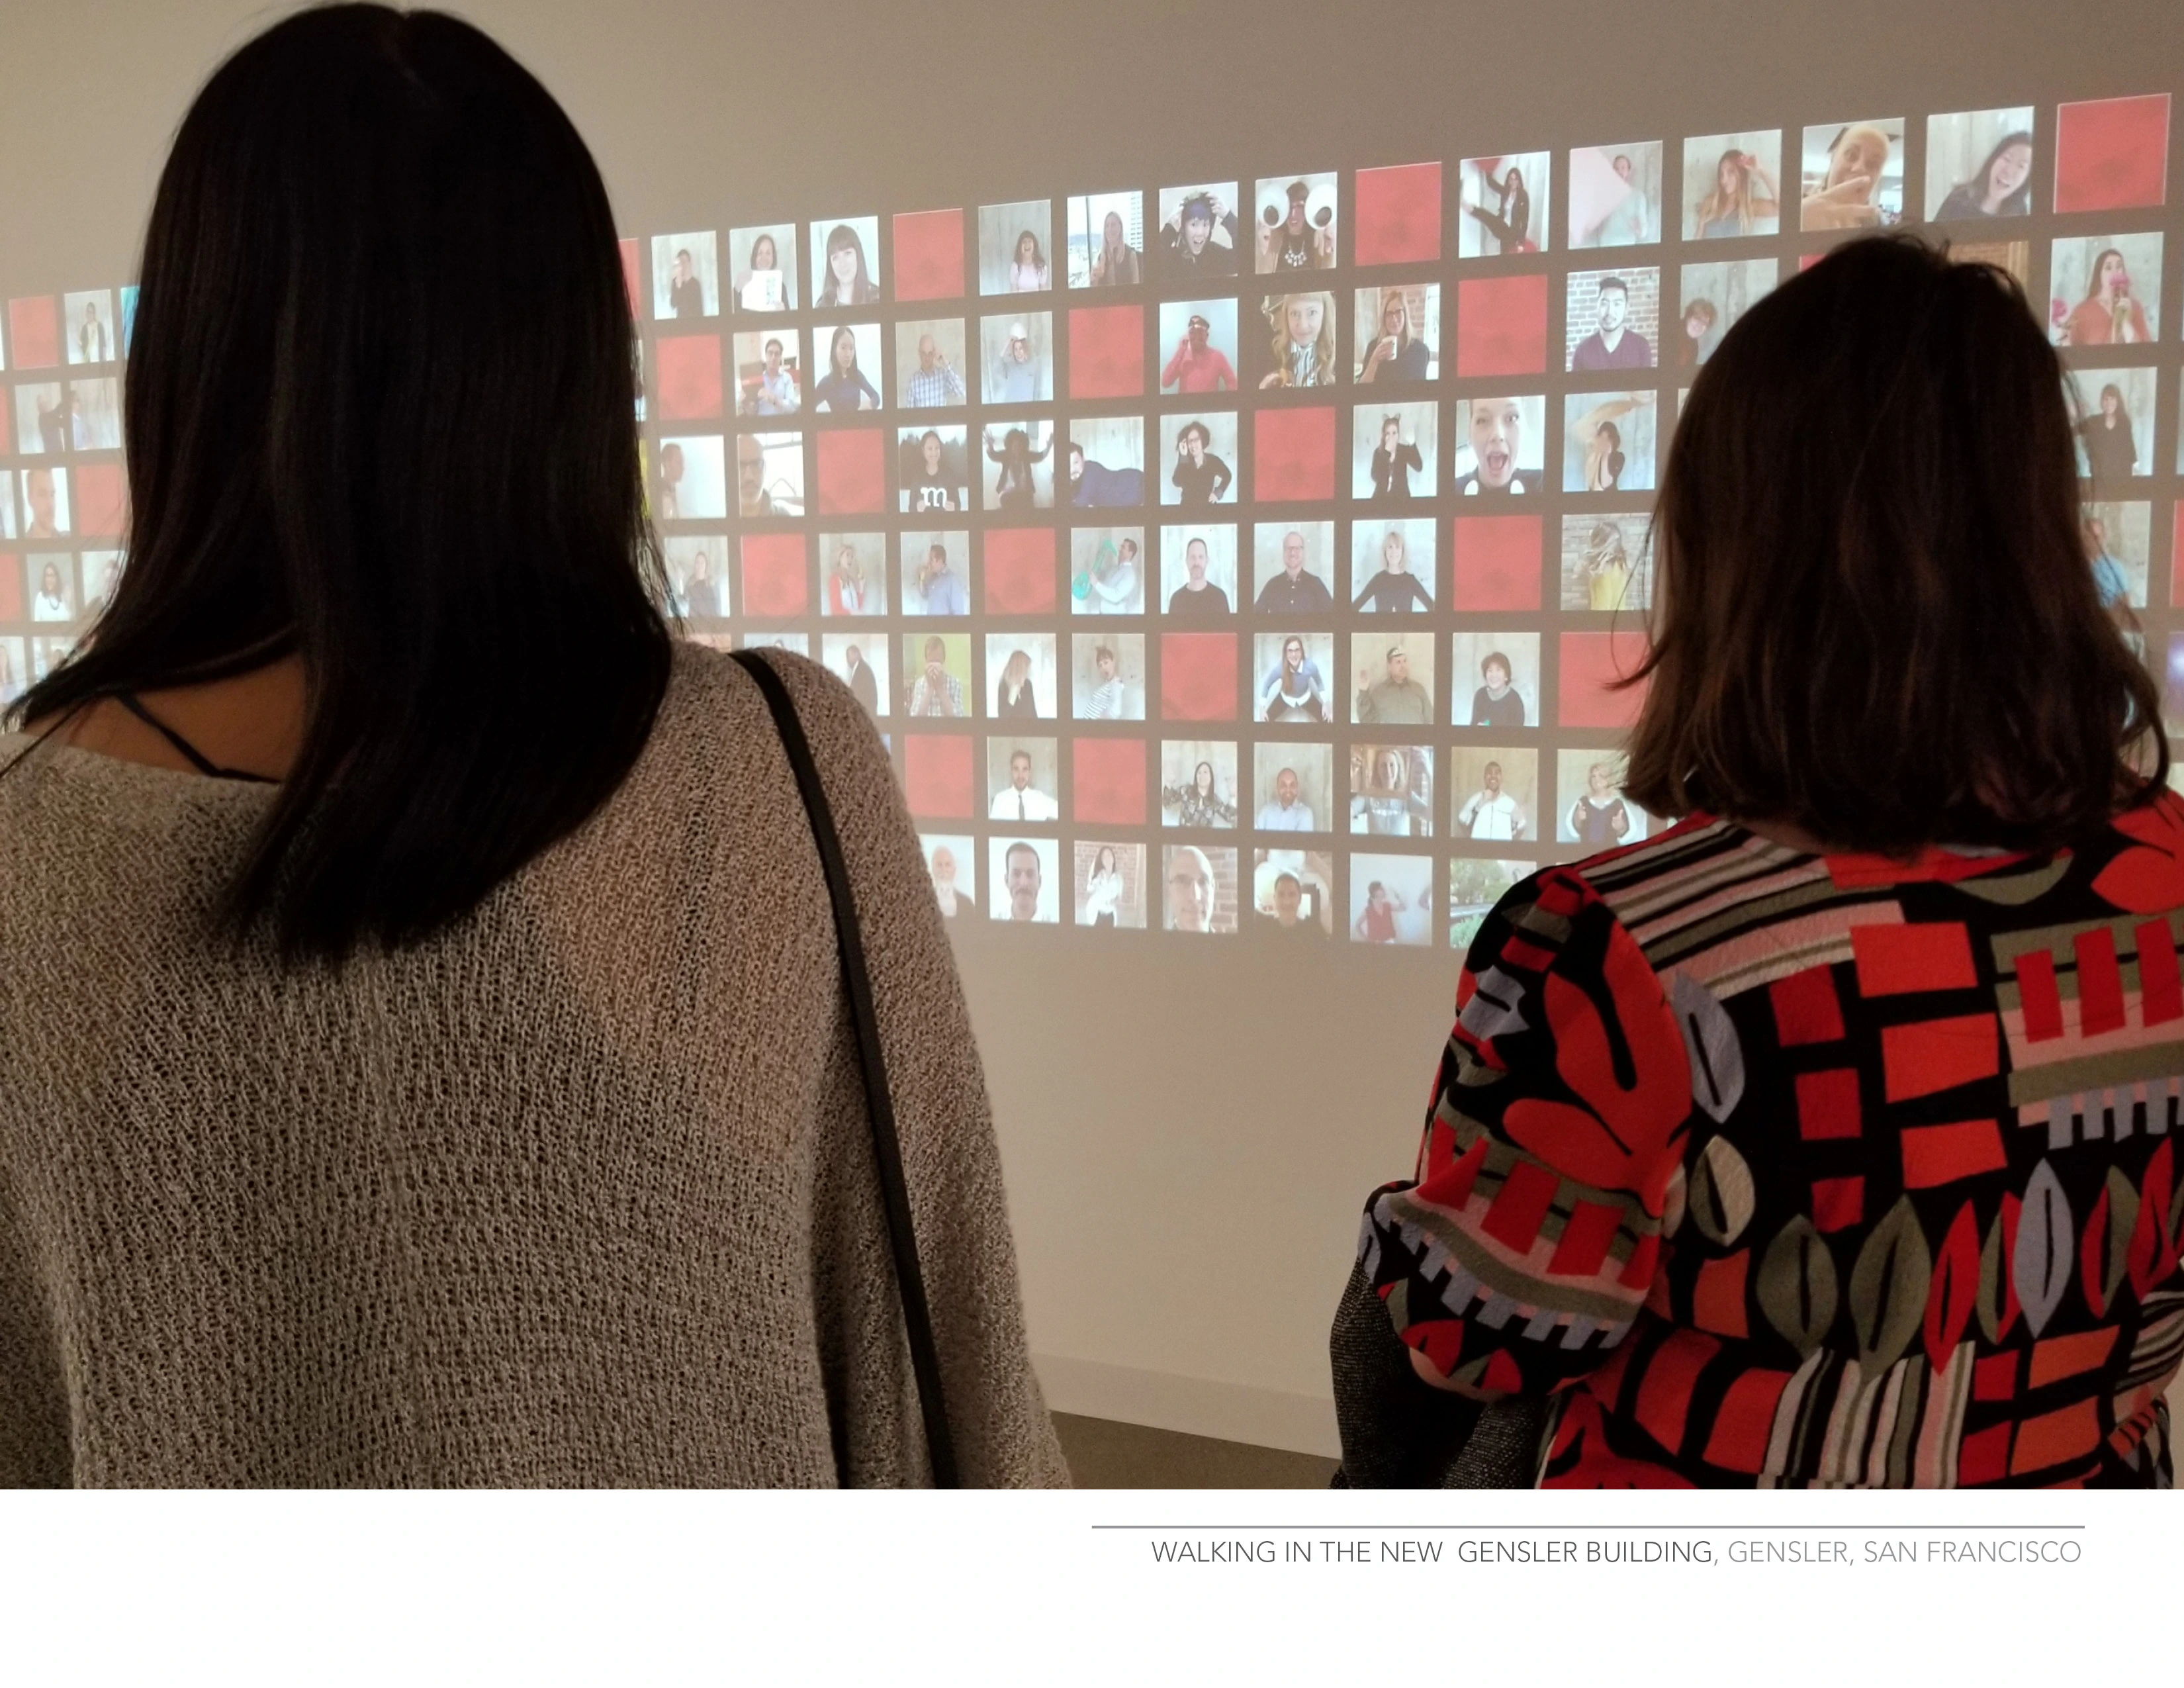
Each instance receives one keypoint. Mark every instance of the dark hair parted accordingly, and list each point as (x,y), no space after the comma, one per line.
(1877,620)
(339,449)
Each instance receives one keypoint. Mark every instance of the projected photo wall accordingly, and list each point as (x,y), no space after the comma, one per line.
(1247,556)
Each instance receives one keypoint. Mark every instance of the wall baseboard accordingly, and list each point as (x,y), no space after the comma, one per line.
(1197,1406)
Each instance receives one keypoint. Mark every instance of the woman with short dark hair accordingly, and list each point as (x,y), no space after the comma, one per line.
(418,1068)
(1798,1144)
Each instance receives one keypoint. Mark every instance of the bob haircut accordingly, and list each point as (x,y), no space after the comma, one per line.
(335,453)
(1876,620)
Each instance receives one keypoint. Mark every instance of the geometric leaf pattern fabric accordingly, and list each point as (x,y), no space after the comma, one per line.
(1779,1169)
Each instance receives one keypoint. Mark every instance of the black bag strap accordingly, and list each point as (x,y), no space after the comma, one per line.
(910,1278)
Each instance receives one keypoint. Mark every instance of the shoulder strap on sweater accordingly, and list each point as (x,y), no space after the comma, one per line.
(917,1315)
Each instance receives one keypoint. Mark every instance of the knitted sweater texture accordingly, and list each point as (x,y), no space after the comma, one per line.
(580,1191)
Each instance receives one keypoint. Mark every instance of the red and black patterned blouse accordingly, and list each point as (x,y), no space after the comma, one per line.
(1785,1169)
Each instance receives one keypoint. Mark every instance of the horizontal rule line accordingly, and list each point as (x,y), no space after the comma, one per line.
(1798,1528)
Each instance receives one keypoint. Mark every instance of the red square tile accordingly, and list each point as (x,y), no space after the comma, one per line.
(852,471)
(1502,326)
(1994,1378)
(1806,1010)
(102,499)
(928,254)
(1932,1056)
(2112,155)
(1837,1203)
(686,378)
(1398,214)
(1497,561)
(1198,677)
(1828,1106)
(1894,960)
(1107,777)
(1591,664)
(1293,455)
(936,773)
(776,575)
(1019,572)
(34,333)
(1107,351)
(11,590)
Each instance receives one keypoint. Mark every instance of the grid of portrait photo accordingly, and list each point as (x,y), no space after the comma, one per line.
(1256,558)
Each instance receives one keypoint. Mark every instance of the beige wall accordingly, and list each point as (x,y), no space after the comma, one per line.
(1188,1136)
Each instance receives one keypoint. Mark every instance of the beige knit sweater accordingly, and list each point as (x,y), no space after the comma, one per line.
(581,1191)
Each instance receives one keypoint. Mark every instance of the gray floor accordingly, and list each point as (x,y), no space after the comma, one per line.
(1104,1454)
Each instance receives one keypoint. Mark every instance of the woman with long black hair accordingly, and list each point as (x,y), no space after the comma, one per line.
(417,1069)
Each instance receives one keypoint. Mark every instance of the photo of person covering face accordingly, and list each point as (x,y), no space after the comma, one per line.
(1019,453)
(1852,175)
(1731,185)
(2105,290)
(1297,224)
(929,363)
(1198,451)
(1021,676)
(1593,813)
(1198,571)
(87,319)
(101,577)
(1020,779)
(697,574)
(1615,195)
(1713,297)
(1394,452)
(951,861)
(52,593)
(853,568)
(686,277)
(762,269)
(2115,429)
(1298,332)
(1201,888)
(1494,792)
(1107,677)
(1293,896)
(1392,565)
(1396,334)
(1391,791)
(1608,563)
(1608,442)
(1198,784)
(1474,887)
(45,422)
(1110,884)
(2120,543)
(849,377)
(1501,670)
(1292,565)
(845,263)
(934,468)
(1295,679)
(770,475)
(1504,206)
(1500,446)
(1015,247)
(936,574)
(1107,571)
(769,372)
(1019,362)
(936,676)
(45,513)
(1026,880)
(1106,236)
(1394,677)
(1197,234)
(860,661)
(1198,342)
(1612,320)
(1979,165)
(1104,463)
(1292,785)
(1390,899)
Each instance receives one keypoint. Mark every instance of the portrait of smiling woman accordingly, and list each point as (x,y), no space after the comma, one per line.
(342,1141)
